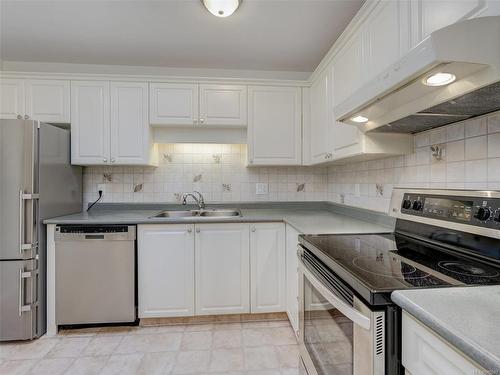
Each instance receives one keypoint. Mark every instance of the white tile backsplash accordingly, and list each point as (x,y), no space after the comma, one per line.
(218,171)
(471,160)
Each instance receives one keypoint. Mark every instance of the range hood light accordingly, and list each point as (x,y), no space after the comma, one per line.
(221,8)
(359,119)
(440,79)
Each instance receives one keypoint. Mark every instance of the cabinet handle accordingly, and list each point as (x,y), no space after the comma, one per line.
(19,117)
(189,230)
(26,117)
(197,230)
(202,120)
(105,160)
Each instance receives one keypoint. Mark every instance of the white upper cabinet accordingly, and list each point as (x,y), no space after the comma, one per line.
(349,68)
(267,254)
(165,268)
(274,125)
(48,100)
(131,136)
(37,99)
(222,267)
(319,136)
(387,36)
(173,103)
(90,122)
(11,98)
(186,104)
(430,15)
(224,105)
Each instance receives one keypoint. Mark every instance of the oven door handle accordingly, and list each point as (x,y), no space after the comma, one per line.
(350,312)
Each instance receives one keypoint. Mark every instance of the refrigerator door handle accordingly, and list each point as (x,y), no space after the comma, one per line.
(22,245)
(22,276)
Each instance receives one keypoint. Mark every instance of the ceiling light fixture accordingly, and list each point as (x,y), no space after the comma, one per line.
(221,8)
(359,119)
(440,79)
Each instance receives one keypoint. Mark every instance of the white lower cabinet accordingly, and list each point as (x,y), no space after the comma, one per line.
(292,277)
(267,267)
(165,270)
(425,353)
(222,265)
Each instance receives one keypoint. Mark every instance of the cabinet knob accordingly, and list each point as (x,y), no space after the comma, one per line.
(112,160)
(202,120)
(19,117)
(189,230)
(197,230)
(26,117)
(105,160)
(253,229)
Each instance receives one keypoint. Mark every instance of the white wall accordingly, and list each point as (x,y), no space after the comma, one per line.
(471,161)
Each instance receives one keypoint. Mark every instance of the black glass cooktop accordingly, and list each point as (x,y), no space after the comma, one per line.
(381,263)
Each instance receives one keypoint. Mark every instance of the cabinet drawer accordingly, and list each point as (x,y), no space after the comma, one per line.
(425,353)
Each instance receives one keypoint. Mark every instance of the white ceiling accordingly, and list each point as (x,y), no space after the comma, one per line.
(286,35)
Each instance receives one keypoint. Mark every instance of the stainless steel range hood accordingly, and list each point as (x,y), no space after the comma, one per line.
(399,101)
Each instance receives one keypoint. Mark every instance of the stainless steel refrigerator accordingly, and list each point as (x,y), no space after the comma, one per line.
(37,182)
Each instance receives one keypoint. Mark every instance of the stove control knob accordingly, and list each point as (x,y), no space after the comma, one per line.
(482,213)
(497,216)
(417,205)
(406,204)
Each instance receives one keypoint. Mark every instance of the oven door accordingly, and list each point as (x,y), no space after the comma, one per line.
(338,333)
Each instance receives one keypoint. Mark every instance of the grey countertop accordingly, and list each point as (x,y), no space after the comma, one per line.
(468,318)
(309,221)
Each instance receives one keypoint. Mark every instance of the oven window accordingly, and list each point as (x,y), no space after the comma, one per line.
(327,334)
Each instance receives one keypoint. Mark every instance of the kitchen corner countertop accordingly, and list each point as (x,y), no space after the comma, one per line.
(467,317)
(303,220)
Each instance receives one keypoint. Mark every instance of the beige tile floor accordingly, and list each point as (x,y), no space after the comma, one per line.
(256,348)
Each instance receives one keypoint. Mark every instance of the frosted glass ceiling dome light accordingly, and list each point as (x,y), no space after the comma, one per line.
(221,8)
(440,79)
(359,119)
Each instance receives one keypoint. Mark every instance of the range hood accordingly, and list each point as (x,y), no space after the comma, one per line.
(400,100)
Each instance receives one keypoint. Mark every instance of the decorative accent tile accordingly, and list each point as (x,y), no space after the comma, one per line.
(301,187)
(138,188)
(226,187)
(197,177)
(107,177)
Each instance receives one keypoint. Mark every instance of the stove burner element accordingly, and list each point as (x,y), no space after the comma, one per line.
(466,269)
(394,268)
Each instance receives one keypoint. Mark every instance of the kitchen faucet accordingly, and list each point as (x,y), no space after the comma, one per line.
(198,198)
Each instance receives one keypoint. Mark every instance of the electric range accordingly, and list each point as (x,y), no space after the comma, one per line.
(442,238)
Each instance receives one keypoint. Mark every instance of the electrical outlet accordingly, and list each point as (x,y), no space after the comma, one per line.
(101,187)
(261,188)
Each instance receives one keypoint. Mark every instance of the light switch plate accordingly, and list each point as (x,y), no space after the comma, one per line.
(261,188)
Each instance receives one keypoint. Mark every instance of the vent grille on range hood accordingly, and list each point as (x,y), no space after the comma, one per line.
(399,101)
(479,102)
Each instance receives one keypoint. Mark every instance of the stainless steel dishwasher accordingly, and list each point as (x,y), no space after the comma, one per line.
(95,274)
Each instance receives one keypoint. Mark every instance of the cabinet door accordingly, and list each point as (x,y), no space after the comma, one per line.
(347,139)
(11,98)
(387,36)
(274,125)
(292,277)
(267,267)
(165,270)
(430,15)
(90,119)
(320,144)
(48,100)
(222,268)
(173,104)
(131,138)
(224,105)
(349,68)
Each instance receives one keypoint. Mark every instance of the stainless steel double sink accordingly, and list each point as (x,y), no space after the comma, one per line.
(208,213)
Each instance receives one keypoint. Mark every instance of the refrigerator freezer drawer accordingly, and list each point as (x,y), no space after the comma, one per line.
(18,307)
